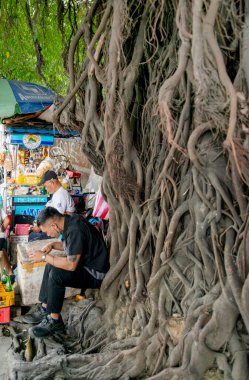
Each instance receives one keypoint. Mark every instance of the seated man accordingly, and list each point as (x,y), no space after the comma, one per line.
(61,200)
(84,266)
(4,223)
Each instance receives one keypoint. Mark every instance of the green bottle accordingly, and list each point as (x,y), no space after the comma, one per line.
(4,276)
(8,286)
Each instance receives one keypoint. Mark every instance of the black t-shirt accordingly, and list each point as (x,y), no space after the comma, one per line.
(82,238)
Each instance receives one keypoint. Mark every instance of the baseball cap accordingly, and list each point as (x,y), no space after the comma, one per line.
(47,177)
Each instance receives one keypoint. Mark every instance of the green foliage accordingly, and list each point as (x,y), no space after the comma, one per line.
(36,34)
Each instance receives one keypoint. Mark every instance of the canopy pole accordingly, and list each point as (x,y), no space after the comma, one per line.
(4,185)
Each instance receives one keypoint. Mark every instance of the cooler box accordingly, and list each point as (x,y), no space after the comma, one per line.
(14,240)
(29,275)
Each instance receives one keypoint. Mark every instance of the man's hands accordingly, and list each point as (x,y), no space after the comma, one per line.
(48,248)
(36,256)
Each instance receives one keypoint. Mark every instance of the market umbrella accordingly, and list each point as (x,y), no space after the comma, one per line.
(17,98)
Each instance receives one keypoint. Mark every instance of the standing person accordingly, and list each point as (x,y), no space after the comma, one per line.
(61,200)
(84,266)
(4,223)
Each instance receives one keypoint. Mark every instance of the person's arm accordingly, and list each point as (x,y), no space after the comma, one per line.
(5,223)
(58,245)
(67,263)
(49,203)
(59,201)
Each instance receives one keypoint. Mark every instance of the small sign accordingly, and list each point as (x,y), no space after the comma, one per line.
(32,199)
(31,141)
(32,210)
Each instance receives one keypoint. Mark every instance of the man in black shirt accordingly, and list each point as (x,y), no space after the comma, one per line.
(84,266)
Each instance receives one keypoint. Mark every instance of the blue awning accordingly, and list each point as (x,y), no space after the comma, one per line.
(17,98)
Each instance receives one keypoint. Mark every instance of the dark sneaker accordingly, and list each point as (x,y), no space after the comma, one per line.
(47,327)
(35,316)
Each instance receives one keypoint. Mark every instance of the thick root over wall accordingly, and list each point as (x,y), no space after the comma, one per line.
(162,100)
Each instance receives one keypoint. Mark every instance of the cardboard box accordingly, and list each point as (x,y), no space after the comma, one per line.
(29,275)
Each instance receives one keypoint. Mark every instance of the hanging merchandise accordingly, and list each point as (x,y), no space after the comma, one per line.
(26,156)
(8,163)
(45,165)
(21,156)
(44,152)
(27,162)
(2,158)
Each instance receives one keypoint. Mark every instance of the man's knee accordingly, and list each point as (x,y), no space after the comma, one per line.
(58,276)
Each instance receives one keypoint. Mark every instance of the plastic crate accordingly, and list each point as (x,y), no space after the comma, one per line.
(22,229)
(28,179)
(6,298)
(5,315)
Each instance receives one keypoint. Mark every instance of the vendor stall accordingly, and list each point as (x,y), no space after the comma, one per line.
(29,147)
(30,158)
(21,104)
(25,143)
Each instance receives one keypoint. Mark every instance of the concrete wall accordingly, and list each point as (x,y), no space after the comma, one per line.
(67,152)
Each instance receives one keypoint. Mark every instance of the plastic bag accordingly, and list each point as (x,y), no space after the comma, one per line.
(101,208)
(45,165)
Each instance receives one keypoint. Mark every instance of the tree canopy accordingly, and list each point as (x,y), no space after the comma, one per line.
(161,99)
(35,38)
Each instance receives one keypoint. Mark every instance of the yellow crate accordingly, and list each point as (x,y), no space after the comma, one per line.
(32,180)
(20,179)
(6,298)
(28,179)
